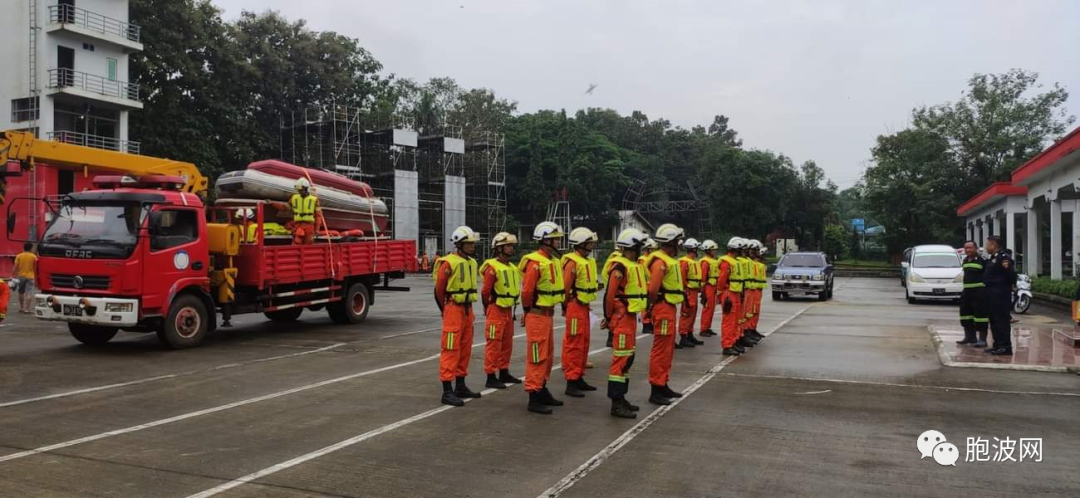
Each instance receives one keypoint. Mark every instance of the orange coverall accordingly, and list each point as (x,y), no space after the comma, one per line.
(688,314)
(539,333)
(498,327)
(623,325)
(575,346)
(730,331)
(664,323)
(709,308)
(457,330)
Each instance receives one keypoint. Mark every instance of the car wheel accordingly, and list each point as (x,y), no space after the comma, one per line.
(353,308)
(823,295)
(286,315)
(186,325)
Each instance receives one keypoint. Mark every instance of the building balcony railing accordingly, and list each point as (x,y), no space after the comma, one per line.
(95,141)
(69,14)
(64,78)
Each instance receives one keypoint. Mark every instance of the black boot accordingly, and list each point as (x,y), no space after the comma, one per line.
(630,406)
(731,352)
(739,349)
(1002,351)
(619,409)
(536,405)
(686,342)
(658,397)
(573,390)
(463,391)
(969,335)
(695,340)
(610,336)
(678,345)
(448,396)
(547,399)
(669,392)
(708,333)
(584,386)
(982,339)
(756,335)
(506,378)
(493,382)
(747,342)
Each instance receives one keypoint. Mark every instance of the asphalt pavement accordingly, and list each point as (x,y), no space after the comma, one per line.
(830,404)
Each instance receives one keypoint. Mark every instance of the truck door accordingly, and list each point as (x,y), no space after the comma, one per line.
(177,251)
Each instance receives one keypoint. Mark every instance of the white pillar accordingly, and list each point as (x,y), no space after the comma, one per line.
(1055,239)
(1031,243)
(1075,234)
(984,232)
(997,228)
(1010,230)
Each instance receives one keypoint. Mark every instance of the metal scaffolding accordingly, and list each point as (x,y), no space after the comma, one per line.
(485,181)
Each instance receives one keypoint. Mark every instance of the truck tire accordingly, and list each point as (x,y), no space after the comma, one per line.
(777,296)
(353,308)
(91,335)
(187,323)
(285,315)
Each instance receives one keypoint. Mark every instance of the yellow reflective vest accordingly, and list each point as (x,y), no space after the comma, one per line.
(605,274)
(585,283)
(735,279)
(549,288)
(461,287)
(635,293)
(714,269)
(672,285)
(693,272)
(303,208)
(646,261)
(507,282)
(761,274)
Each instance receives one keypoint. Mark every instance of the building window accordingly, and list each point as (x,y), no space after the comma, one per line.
(112,70)
(25,109)
(88,46)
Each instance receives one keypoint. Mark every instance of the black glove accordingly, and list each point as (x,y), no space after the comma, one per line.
(704,298)
(727,306)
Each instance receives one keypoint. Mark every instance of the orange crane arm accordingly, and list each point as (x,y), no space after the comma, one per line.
(27,150)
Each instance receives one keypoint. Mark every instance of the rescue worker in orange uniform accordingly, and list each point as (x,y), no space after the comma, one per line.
(710,273)
(761,282)
(691,276)
(730,286)
(5,299)
(304,207)
(500,293)
(425,263)
(644,260)
(625,297)
(666,293)
(455,293)
(580,282)
(749,290)
(543,289)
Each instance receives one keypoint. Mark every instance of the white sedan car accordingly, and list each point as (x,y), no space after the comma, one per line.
(934,273)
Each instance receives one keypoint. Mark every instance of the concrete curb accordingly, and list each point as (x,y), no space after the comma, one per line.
(1052,300)
(859,273)
(947,361)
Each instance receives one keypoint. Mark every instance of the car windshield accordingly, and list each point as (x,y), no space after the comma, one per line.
(802,261)
(937,260)
(78,225)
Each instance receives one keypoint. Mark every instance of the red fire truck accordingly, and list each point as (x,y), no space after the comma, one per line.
(142,252)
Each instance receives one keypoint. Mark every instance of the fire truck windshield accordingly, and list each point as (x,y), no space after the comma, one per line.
(94,231)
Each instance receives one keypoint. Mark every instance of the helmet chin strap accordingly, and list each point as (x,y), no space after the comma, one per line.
(550,244)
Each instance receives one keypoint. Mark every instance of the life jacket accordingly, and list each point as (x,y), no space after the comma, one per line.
(549,288)
(585,283)
(735,278)
(462,284)
(634,294)
(672,285)
(714,269)
(507,282)
(303,208)
(693,272)
(605,274)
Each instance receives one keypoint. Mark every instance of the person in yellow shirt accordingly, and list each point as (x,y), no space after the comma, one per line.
(25,270)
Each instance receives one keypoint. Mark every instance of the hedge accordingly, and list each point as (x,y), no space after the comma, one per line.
(1063,288)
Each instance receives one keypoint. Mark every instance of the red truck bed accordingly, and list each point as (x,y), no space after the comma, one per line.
(262,266)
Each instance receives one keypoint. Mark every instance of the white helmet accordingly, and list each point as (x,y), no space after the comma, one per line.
(502,239)
(668,232)
(691,244)
(734,243)
(302,183)
(631,237)
(650,243)
(547,230)
(762,250)
(709,245)
(582,235)
(754,244)
(245,213)
(463,234)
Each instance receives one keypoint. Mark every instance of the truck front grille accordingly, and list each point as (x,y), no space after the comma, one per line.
(88,282)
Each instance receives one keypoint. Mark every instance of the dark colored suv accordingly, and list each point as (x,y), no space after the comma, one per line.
(806,273)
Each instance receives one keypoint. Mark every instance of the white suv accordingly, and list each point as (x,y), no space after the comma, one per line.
(934,273)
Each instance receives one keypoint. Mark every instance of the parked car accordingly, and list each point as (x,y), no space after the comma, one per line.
(802,273)
(933,273)
(903,266)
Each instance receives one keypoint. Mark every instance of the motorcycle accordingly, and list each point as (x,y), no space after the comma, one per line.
(1022,296)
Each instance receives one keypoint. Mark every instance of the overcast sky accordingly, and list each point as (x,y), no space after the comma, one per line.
(811,79)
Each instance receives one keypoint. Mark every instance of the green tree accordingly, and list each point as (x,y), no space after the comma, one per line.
(835,243)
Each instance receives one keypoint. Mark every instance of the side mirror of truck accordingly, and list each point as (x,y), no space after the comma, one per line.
(11,223)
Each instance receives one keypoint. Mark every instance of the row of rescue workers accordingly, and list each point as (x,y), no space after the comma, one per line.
(644,278)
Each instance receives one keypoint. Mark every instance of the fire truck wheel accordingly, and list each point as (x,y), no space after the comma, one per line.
(353,308)
(186,325)
(91,335)
(285,315)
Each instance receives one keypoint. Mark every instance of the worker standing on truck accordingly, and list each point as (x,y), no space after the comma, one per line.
(580,284)
(304,204)
(501,293)
(710,272)
(542,291)
(455,291)
(691,275)
(624,299)
(666,293)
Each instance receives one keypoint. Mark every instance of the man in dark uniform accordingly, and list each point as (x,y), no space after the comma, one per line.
(999,276)
(972,305)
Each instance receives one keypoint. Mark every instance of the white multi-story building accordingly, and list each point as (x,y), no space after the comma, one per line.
(66,71)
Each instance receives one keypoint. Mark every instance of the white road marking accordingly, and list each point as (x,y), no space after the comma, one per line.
(598,459)
(207,411)
(913,386)
(816,392)
(350,442)
(403,334)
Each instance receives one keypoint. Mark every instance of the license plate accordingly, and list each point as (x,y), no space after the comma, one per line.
(939,291)
(72,310)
